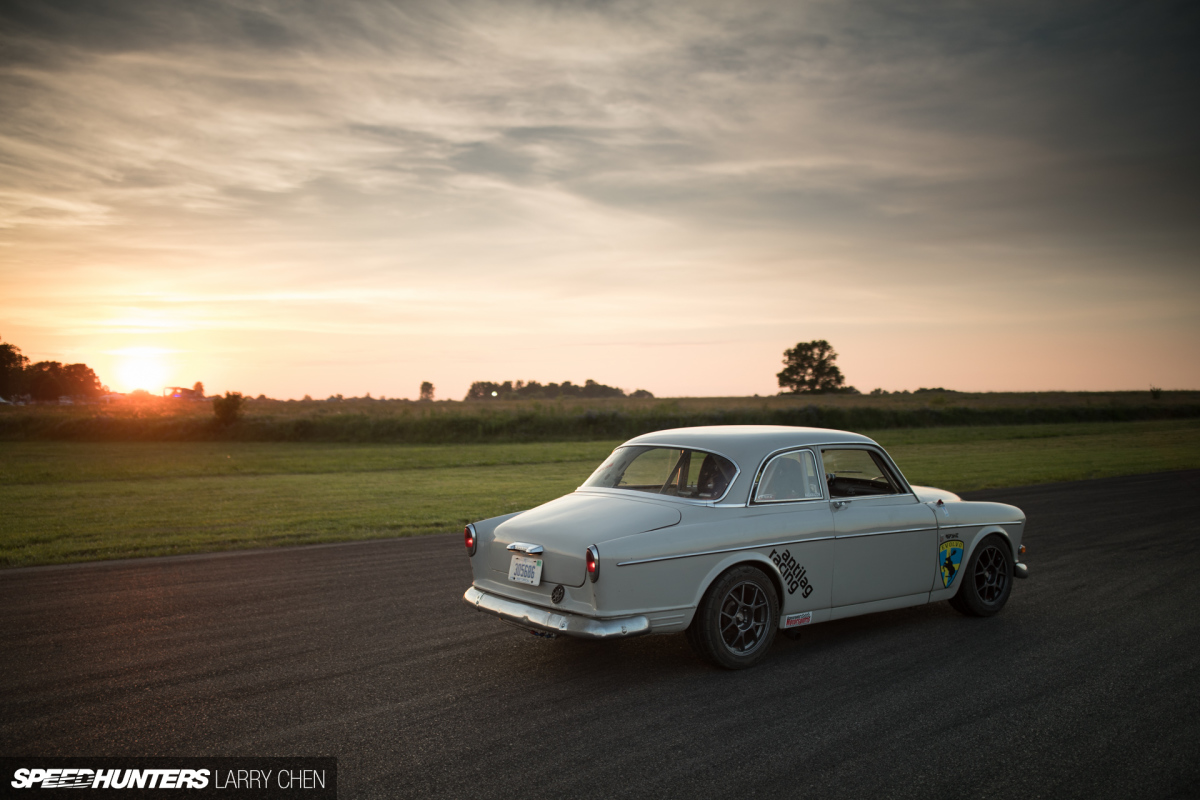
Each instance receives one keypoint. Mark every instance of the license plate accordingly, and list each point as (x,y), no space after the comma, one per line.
(525,570)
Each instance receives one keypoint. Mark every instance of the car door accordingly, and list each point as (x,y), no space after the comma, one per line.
(885,537)
(790,509)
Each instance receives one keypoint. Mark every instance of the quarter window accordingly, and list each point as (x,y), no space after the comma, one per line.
(791,476)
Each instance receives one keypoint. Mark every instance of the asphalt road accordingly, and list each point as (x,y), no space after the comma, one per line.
(1086,685)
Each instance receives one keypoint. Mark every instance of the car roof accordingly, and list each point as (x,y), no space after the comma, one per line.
(747,444)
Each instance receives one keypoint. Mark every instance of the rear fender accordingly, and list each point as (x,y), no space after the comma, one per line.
(485,536)
(744,558)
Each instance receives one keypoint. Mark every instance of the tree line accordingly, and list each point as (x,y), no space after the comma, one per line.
(44,381)
(518,390)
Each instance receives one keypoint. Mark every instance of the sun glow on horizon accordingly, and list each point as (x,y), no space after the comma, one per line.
(142,368)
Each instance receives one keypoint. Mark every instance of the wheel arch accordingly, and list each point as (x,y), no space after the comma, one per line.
(971,546)
(983,533)
(743,559)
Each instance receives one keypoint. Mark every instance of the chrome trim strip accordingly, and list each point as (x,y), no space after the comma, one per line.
(724,550)
(883,533)
(980,524)
(769,544)
(559,622)
(526,547)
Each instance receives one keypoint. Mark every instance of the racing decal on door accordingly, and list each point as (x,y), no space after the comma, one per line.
(949,559)
(794,575)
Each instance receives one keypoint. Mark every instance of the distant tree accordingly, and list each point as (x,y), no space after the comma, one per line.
(198,388)
(510,390)
(641,394)
(80,381)
(43,382)
(12,370)
(46,381)
(809,367)
(487,390)
(426,391)
(227,409)
(593,389)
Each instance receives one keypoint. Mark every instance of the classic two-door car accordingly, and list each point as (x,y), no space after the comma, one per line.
(730,533)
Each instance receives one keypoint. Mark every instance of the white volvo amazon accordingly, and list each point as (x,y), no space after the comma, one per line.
(731,533)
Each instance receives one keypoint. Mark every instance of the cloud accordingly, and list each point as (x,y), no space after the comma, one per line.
(659,164)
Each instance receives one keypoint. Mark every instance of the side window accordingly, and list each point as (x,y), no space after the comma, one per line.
(790,476)
(857,473)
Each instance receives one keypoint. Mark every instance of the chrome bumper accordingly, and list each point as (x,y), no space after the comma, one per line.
(1020,570)
(542,619)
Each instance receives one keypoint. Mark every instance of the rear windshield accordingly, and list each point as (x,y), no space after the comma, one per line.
(671,471)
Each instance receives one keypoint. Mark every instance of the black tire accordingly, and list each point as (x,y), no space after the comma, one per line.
(737,619)
(987,580)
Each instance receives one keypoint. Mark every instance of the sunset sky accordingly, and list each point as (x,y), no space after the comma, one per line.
(290,198)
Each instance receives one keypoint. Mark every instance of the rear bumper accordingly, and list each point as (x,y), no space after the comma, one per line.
(547,621)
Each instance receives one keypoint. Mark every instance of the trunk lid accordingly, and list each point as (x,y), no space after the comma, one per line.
(566,526)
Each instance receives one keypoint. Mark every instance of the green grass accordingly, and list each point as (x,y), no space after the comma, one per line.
(68,501)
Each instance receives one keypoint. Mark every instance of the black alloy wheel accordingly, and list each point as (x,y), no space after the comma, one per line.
(991,575)
(987,580)
(745,613)
(737,619)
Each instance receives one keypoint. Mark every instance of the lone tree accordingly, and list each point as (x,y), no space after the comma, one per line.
(426,391)
(809,367)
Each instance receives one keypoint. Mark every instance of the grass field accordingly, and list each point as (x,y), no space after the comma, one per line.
(68,501)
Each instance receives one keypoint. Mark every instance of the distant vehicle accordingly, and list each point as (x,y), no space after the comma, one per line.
(731,533)
(182,393)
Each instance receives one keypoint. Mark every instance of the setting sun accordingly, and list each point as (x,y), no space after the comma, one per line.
(141,368)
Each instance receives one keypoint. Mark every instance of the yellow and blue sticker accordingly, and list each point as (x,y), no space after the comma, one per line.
(949,559)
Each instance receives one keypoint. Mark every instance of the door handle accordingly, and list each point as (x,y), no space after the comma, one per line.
(840,503)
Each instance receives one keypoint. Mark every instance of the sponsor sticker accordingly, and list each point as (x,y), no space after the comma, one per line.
(796,620)
(795,576)
(949,560)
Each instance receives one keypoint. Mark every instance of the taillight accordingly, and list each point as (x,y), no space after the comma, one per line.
(593,563)
(470,539)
